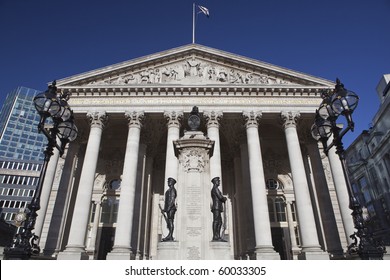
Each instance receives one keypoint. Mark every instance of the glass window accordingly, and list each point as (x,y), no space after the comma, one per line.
(273,184)
(115,184)
(109,210)
(280,210)
(294,213)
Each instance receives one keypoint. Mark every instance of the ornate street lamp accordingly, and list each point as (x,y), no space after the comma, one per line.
(57,124)
(341,101)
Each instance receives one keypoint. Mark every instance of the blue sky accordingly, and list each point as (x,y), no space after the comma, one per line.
(42,40)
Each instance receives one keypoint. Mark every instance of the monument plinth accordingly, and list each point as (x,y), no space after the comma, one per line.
(193,222)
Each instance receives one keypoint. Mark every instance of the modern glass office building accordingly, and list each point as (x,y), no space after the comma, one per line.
(21,152)
(19,138)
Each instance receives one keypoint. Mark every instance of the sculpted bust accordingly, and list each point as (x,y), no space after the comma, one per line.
(194,119)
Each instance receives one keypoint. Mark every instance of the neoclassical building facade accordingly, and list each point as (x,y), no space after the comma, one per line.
(285,199)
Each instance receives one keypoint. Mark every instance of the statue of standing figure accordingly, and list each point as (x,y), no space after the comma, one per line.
(170,208)
(217,208)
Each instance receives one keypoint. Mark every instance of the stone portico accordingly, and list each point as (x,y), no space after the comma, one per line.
(284,195)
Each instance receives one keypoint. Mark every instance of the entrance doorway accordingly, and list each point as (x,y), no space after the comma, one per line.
(106,237)
(281,242)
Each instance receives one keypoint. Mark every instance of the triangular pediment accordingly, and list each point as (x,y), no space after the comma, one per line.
(192,65)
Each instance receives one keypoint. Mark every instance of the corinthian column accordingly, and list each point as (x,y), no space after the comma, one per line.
(263,237)
(78,229)
(310,245)
(171,162)
(212,119)
(122,244)
(46,190)
(341,192)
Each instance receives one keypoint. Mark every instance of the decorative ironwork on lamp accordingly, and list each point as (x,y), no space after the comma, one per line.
(57,124)
(341,101)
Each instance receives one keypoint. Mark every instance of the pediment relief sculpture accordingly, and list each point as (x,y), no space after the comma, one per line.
(190,71)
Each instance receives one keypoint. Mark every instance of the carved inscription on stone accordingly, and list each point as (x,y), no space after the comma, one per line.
(193,253)
(194,231)
(225,101)
(193,206)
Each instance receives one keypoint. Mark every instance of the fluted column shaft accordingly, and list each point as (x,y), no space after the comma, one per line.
(171,162)
(305,213)
(213,119)
(291,229)
(341,192)
(46,190)
(95,225)
(78,229)
(262,225)
(122,243)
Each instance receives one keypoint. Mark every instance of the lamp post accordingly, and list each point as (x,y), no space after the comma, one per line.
(57,124)
(341,101)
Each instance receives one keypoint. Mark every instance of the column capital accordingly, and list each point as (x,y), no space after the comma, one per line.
(97,118)
(289,118)
(173,118)
(213,118)
(252,118)
(135,118)
(97,202)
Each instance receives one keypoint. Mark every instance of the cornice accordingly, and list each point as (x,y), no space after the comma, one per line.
(189,90)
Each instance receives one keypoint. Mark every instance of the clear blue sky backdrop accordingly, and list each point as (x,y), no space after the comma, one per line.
(43,40)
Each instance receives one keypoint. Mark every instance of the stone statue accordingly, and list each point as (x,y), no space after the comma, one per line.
(217,208)
(170,208)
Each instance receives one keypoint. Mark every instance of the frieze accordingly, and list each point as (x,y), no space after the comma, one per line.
(190,71)
(154,101)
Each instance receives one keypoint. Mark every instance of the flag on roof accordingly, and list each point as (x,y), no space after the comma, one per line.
(204,10)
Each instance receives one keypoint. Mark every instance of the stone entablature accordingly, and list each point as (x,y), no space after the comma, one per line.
(159,104)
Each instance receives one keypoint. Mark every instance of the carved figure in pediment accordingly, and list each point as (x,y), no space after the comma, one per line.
(248,78)
(222,75)
(211,74)
(131,79)
(166,74)
(236,77)
(120,81)
(263,79)
(193,67)
(154,76)
(144,77)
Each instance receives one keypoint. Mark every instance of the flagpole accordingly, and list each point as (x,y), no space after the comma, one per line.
(193,23)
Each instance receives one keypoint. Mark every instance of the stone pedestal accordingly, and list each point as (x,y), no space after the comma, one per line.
(168,250)
(193,219)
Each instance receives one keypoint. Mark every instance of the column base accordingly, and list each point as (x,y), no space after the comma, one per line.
(266,253)
(73,254)
(314,255)
(120,254)
(386,256)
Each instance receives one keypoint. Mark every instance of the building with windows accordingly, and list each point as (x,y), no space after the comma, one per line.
(194,113)
(21,152)
(19,138)
(18,181)
(368,160)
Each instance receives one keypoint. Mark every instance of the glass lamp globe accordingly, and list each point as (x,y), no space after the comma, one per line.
(321,129)
(344,101)
(46,106)
(67,131)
